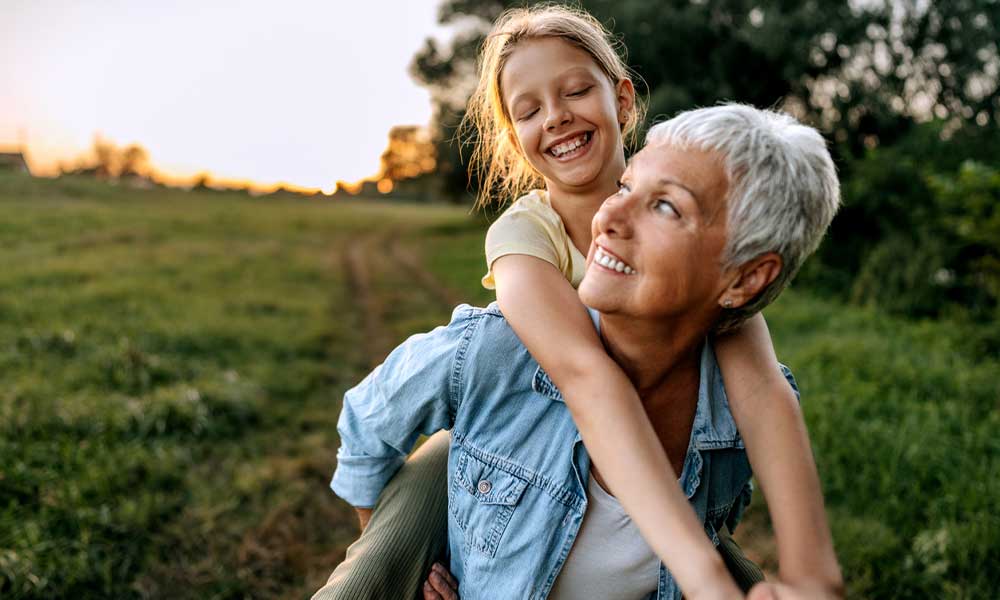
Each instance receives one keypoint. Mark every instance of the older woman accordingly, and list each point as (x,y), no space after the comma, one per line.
(525,518)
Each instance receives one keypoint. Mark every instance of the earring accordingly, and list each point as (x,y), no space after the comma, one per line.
(727,303)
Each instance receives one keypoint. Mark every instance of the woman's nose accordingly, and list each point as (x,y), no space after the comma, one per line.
(613,218)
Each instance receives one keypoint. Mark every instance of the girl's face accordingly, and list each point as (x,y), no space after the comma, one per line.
(566,114)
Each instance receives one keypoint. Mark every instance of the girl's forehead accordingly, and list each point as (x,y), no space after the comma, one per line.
(531,54)
(537,61)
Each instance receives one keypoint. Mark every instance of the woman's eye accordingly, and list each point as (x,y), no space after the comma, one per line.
(581,92)
(666,207)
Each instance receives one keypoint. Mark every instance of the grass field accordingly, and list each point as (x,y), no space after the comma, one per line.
(172,364)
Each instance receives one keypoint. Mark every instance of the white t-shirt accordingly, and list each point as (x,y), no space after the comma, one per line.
(609,558)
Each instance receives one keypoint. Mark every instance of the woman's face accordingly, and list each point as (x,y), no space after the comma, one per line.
(667,228)
(565,113)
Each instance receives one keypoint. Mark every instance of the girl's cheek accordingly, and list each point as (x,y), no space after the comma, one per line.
(525,142)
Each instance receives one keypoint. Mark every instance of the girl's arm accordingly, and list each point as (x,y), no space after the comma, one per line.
(770,421)
(547,315)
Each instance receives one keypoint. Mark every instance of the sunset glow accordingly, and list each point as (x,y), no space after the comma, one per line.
(299,95)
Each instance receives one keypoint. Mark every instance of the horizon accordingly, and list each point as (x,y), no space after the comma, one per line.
(255,97)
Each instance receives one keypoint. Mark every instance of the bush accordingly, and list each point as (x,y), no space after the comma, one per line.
(919,232)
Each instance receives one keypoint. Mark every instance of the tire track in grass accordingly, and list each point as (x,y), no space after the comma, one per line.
(447,297)
(376,339)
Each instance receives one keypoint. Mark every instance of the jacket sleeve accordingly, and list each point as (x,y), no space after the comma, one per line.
(414,392)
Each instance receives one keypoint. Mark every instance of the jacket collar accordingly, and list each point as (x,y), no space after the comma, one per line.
(713,428)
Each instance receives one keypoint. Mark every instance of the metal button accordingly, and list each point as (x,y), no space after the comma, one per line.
(484,487)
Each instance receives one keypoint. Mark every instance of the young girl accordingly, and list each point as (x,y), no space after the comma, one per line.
(552,110)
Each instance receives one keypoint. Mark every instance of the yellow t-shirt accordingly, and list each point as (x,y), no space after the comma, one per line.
(531,226)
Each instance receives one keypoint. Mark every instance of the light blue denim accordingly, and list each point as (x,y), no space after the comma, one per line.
(517,468)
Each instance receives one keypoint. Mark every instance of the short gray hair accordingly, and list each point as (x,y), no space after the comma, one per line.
(783,187)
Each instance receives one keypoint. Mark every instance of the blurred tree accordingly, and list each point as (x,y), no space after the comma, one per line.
(410,153)
(106,157)
(449,73)
(109,160)
(862,71)
(970,203)
(133,160)
(202,182)
(916,61)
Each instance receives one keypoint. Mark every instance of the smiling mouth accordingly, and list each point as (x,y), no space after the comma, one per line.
(572,148)
(611,262)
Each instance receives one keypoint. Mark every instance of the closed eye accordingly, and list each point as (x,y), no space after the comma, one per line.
(527,115)
(581,92)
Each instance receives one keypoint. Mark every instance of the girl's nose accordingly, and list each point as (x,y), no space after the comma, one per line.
(557,117)
(614,218)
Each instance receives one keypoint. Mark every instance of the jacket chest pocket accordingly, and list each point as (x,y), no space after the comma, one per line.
(482,498)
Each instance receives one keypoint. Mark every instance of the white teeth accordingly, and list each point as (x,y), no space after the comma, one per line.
(608,261)
(569,146)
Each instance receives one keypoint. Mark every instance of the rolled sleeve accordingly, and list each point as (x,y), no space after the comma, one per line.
(359,479)
(413,392)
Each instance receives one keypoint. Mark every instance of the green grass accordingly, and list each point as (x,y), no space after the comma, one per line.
(172,364)
(903,418)
(173,361)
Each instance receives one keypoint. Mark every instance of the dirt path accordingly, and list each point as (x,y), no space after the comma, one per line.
(360,270)
(366,258)
(410,258)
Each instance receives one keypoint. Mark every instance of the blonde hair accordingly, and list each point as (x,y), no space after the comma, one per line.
(496,157)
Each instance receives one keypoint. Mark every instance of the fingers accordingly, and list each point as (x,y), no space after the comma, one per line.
(783,591)
(440,585)
(439,568)
(436,588)
(429,592)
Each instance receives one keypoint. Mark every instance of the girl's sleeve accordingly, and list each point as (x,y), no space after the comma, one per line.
(524,232)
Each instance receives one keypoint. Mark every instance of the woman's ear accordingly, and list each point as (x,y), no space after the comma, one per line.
(753,276)
(625,94)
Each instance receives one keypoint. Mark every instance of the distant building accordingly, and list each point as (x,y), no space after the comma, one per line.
(13,161)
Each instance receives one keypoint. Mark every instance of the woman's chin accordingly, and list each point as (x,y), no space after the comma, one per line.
(593,294)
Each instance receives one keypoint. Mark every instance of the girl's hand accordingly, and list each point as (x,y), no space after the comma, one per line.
(440,585)
(780,591)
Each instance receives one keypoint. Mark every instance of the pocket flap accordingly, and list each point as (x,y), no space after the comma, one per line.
(489,484)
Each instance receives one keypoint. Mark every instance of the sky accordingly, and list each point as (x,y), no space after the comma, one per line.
(298,91)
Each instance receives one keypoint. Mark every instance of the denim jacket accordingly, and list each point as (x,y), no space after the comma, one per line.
(517,470)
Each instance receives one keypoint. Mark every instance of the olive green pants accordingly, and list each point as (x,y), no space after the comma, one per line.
(408,532)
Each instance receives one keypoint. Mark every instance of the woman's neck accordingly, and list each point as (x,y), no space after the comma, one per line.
(656,356)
